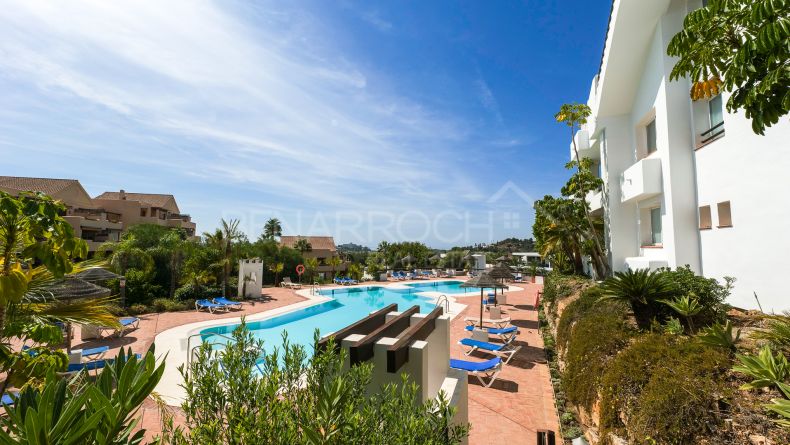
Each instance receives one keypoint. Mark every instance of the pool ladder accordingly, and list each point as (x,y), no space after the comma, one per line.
(191,349)
(315,288)
(443,299)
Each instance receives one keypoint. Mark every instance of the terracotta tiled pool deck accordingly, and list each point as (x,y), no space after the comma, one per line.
(511,411)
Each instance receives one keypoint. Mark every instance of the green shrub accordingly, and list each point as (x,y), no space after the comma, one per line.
(168,305)
(673,326)
(709,293)
(666,387)
(557,287)
(191,292)
(137,309)
(139,287)
(582,306)
(594,340)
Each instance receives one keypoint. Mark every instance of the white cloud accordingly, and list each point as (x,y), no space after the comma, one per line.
(255,98)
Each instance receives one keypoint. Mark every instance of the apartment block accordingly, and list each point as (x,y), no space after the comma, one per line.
(685,182)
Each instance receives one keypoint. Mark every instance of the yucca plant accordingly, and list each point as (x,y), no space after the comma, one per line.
(765,369)
(641,288)
(720,335)
(688,306)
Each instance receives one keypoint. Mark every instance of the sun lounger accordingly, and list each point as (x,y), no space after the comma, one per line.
(488,369)
(227,303)
(209,306)
(74,368)
(497,322)
(9,399)
(506,334)
(505,351)
(290,284)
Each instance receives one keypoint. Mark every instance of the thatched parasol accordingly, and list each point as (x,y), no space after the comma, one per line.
(483,281)
(96,274)
(72,288)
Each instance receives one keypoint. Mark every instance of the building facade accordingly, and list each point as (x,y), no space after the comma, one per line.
(90,222)
(107,216)
(685,182)
(146,208)
(322,248)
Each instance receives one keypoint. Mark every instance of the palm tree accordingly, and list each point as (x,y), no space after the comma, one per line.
(311,264)
(272,228)
(125,254)
(334,262)
(222,239)
(276,268)
(303,245)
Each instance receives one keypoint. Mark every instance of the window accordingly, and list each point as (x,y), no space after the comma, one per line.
(715,111)
(705,220)
(655,225)
(725,215)
(652,144)
(142,212)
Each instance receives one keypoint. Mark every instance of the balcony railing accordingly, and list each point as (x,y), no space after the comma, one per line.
(711,135)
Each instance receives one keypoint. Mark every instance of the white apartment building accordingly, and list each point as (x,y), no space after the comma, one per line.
(685,182)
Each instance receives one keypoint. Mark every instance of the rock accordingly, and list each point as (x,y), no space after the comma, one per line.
(756,439)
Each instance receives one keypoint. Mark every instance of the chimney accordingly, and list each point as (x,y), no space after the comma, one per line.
(122,194)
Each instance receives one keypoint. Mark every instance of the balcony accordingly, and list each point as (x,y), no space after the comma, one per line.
(595,201)
(586,146)
(641,180)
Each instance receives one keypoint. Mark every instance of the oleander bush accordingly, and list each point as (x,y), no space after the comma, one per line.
(240,395)
(666,388)
(594,341)
(190,291)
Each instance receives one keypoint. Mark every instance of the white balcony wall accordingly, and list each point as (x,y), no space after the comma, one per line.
(642,180)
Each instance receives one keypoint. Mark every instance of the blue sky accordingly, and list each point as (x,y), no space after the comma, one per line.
(424,120)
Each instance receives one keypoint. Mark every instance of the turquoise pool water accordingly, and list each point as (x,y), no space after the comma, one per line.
(348,305)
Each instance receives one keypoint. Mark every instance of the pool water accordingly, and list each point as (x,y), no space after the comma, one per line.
(347,306)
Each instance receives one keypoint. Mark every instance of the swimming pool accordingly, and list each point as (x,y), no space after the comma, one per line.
(347,305)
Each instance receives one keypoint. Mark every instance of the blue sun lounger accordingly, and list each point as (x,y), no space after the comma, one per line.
(9,399)
(209,306)
(505,351)
(506,334)
(488,369)
(74,368)
(229,303)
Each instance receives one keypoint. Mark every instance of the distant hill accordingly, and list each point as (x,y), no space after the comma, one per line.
(505,245)
(351,247)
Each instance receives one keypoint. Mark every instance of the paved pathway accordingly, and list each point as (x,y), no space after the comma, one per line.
(510,412)
(521,402)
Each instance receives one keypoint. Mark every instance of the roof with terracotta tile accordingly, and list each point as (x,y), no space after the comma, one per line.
(316,242)
(50,186)
(151,199)
(69,191)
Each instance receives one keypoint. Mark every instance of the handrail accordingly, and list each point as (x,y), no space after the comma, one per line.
(363,326)
(443,298)
(712,128)
(362,350)
(190,349)
(398,352)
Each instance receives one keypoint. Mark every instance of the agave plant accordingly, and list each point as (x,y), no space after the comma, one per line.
(721,336)
(781,406)
(688,306)
(640,288)
(765,369)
